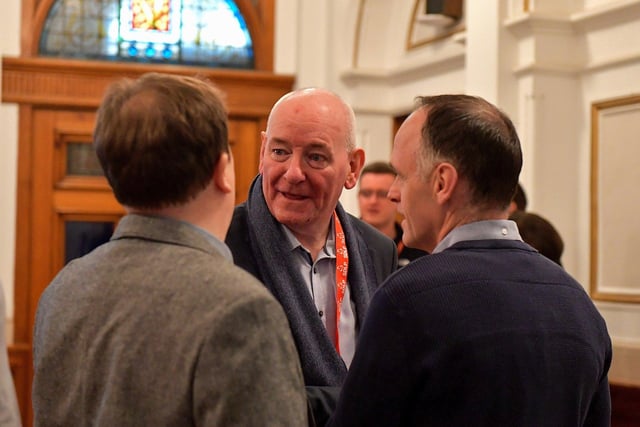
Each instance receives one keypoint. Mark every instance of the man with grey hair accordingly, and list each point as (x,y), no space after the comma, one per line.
(321,263)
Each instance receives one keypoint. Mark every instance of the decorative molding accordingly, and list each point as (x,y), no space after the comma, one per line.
(76,83)
(598,14)
(547,68)
(536,22)
(436,20)
(406,71)
(594,16)
(615,61)
(573,25)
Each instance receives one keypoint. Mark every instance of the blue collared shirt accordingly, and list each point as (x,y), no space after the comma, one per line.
(320,278)
(480,230)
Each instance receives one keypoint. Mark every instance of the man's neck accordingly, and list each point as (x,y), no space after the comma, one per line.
(313,241)
(208,210)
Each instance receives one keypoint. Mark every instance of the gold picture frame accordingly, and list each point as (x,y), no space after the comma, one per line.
(615,177)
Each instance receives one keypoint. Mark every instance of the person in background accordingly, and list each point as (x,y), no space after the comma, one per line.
(157,326)
(376,208)
(539,233)
(519,200)
(9,411)
(483,331)
(321,263)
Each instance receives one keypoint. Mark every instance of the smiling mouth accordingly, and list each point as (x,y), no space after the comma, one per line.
(291,196)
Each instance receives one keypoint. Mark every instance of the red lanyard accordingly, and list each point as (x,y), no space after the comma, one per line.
(342,269)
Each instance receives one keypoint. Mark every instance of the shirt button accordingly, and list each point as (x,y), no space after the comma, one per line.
(321,313)
(504,231)
(315,270)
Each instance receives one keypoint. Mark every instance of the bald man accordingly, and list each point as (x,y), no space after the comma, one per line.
(320,262)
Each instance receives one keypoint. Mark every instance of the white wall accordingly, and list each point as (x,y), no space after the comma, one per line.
(9,45)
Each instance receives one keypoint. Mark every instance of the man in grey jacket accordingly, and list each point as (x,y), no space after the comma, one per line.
(157,326)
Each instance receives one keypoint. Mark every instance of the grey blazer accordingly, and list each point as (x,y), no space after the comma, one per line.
(156,327)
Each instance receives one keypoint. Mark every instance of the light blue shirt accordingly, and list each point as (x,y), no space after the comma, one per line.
(320,278)
(480,230)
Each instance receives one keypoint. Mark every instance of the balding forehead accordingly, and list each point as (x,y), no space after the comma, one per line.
(317,101)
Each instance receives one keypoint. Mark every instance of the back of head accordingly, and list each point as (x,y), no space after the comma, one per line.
(539,233)
(479,140)
(158,138)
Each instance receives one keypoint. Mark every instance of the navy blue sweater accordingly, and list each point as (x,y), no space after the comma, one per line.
(486,332)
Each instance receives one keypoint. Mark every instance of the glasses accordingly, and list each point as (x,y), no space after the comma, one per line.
(380,194)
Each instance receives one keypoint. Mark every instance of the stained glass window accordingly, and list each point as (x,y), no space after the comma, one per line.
(192,32)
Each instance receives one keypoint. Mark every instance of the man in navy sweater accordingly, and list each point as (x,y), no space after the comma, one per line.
(485,330)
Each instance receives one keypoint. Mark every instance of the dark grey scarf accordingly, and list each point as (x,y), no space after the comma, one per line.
(321,364)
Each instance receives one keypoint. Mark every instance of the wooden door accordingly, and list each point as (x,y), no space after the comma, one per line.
(244,137)
(72,204)
(73,207)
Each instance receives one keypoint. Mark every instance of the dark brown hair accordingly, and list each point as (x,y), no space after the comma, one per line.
(539,233)
(159,138)
(479,140)
(378,167)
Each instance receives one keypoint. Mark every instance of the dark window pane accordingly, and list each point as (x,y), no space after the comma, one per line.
(82,160)
(81,237)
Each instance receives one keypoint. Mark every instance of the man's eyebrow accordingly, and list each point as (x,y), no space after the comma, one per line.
(279,141)
(321,145)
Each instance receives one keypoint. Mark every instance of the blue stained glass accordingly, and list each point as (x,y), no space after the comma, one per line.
(194,32)
(150,51)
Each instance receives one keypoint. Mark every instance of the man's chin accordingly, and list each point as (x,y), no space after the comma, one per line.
(292,221)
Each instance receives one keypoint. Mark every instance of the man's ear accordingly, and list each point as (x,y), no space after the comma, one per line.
(356,162)
(263,146)
(223,173)
(445,181)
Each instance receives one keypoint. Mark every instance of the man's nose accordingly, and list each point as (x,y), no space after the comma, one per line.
(294,171)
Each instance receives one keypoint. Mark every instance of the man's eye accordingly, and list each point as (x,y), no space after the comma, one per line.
(278,153)
(318,161)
